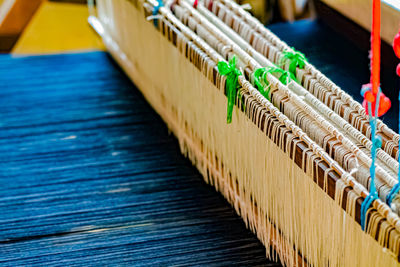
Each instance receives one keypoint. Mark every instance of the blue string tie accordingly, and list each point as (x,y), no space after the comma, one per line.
(155,12)
(376,143)
(364,208)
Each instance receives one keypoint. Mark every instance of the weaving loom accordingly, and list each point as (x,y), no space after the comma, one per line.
(293,158)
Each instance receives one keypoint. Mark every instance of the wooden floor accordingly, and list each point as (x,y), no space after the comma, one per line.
(90,175)
(58,28)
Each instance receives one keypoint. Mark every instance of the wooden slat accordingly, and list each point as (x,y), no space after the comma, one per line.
(14,16)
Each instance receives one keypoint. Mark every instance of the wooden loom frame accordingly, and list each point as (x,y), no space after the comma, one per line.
(299,148)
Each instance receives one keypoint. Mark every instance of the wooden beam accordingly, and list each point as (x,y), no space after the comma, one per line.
(360,11)
(14,17)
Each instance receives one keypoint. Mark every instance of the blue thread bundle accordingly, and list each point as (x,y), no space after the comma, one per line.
(376,143)
(155,11)
(165,212)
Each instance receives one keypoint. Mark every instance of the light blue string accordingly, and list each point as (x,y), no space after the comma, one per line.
(155,11)
(376,143)
(364,208)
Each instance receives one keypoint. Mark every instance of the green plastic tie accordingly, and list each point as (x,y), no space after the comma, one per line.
(296,59)
(262,84)
(232,74)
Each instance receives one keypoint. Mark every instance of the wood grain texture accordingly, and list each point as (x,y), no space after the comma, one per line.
(361,12)
(16,14)
(14,17)
(90,175)
(58,28)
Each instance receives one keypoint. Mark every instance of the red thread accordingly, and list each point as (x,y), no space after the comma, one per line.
(396,45)
(196,2)
(376,46)
(210,5)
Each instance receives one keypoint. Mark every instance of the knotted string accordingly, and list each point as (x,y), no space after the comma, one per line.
(296,59)
(262,84)
(232,83)
(155,12)
(376,143)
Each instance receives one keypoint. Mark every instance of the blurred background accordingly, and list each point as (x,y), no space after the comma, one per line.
(44,26)
(39,26)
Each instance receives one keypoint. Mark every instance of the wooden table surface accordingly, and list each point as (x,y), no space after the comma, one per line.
(58,28)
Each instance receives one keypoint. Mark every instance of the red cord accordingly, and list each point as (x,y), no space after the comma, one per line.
(196,2)
(210,5)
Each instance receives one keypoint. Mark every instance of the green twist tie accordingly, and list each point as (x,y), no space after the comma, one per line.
(296,59)
(262,84)
(232,83)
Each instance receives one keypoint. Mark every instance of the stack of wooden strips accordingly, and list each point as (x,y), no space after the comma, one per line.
(294,162)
